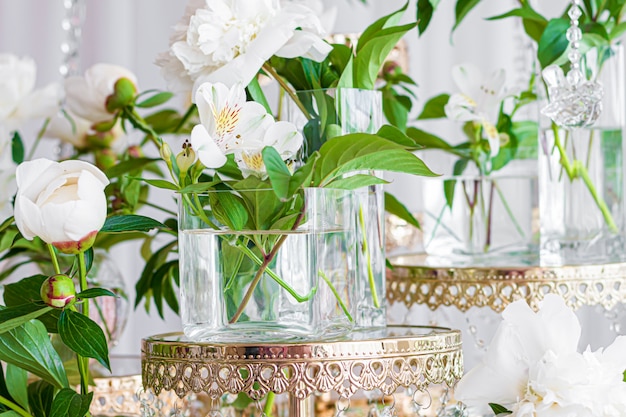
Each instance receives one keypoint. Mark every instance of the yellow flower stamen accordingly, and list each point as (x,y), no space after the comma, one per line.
(254,161)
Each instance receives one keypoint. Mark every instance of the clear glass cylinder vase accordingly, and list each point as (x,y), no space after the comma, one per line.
(475,220)
(287,273)
(581,174)
(321,115)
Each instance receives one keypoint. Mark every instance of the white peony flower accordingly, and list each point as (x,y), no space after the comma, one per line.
(77,131)
(232,125)
(86,96)
(228,41)
(62,203)
(19,101)
(478,101)
(532,368)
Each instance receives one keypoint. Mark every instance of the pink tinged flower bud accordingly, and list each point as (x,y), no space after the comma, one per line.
(105,158)
(58,291)
(135,151)
(75,247)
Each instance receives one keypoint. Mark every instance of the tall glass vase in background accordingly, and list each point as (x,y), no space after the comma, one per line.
(321,115)
(291,278)
(581,174)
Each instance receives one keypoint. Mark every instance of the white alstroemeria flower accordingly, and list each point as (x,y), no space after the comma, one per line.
(63,203)
(19,101)
(86,96)
(478,100)
(282,136)
(533,369)
(228,41)
(226,120)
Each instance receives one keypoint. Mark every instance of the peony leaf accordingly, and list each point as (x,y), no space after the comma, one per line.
(155,100)
(26,291)
(17,148)
(130,223)
(395,207)
(84,336)
(68,403)
(40,397)
(356,181)
(17,384)
(95,292)
(12,317)
(29,347)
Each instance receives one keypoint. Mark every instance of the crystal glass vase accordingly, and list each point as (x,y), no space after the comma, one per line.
(320,115)
(581,174)
(286,273)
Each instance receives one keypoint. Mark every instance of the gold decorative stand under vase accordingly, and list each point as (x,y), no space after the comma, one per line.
(397,356)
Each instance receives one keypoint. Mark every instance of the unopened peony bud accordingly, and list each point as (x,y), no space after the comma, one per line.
(186,158)
(123,95)
(135,152)
(105,158)
(58,291)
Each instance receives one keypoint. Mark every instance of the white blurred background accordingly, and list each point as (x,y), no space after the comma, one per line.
(130,33)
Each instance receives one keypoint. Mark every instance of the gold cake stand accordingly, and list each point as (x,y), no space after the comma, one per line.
(412,281)
(385,359)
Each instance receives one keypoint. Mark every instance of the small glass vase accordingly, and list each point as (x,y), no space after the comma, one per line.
(333,112)
(581,175)
(474,220)
(288,278)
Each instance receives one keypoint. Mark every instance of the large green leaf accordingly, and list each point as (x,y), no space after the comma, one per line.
(357,181)
(424,13)
(27,291)
(395,207)
(394,134)
(373,30)
(434,108)
(12,317)
(68,403)
(130,223)
(84,336)
(29,347)
(553,42)
(229,209)
(17,384)
(40,397)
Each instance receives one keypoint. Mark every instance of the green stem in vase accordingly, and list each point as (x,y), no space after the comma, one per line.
(269,404)
(509,211)
(489,218)
(576,169)
(366,251)
(336,294)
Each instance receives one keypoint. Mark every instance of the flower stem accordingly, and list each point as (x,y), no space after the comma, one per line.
(185,118)
(259,274)
(53,258)
(336,294)
(83,363)
(19,410)
(368,259)
(38,139)
(269,404)
(267,68)
(489,218)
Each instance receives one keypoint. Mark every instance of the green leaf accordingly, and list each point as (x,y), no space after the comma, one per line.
(130,223)
(68,403)
(155,100)
(463,7)
(395,112)
(10,413)
(434,108)
(395,135)
(40,398)
(17,384)
(257,94)
(303,175)
(27,291)
(95,292)
(624,376)
(145,283)
(163,184)
(498,409)
(277,170)
(373,30)
(17,148)
(370,58)
(425,11)
(553,42)
(534,23)
(12,317)
(356,181)
(430,141)
(395,207)
(164,121)
(618,30)
(84,336)
(229,209)
(29,347)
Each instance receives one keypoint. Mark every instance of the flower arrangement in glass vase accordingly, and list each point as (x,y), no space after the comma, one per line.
(581,174)
(533,368)
(478,210)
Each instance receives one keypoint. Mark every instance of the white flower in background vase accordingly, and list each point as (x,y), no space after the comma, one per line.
(20,102)
(478,101)
(8,187)
(78,132)
(532,367)
(86,96)
(61,202)
(228,41)
(232,125)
